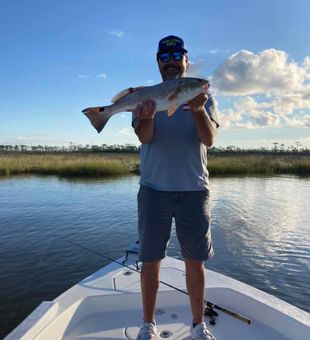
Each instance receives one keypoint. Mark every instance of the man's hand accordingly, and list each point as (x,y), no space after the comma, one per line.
(146,110)
(197,103)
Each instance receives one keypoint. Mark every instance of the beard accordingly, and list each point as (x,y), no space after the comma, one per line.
(171,72)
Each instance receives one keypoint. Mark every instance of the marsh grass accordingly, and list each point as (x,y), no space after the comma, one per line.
(112,165)
(69,165)
(259,165)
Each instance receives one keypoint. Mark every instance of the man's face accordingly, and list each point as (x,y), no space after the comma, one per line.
(173,69)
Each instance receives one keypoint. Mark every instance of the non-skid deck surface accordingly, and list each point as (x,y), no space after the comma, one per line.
(173,322)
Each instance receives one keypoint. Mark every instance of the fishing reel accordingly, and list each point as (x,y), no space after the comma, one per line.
(210,313)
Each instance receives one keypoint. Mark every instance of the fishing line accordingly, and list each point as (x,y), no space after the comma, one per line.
(28,285)
(208,303)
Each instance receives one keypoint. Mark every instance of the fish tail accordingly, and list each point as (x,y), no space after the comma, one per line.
(99,116)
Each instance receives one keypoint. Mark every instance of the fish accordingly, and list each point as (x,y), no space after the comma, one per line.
(168,96)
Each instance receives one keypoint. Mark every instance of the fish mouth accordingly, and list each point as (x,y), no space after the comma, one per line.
(205,88)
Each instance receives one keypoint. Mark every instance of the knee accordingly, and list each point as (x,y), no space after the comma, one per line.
(194,265)
(151,268)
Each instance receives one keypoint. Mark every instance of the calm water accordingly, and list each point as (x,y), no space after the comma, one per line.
(261,234)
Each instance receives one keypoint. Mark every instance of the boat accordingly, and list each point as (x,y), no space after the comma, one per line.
(107,305)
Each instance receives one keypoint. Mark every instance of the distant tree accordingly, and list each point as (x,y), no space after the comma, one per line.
(275,146)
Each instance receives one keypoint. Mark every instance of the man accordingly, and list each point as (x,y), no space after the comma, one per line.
(174,184)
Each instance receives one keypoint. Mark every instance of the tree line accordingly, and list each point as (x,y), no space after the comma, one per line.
(130,148)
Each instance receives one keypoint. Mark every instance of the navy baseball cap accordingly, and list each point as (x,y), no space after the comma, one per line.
(171,43)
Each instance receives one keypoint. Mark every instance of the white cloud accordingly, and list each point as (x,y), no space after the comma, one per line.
(118,33)
(247,113)
(268,72)
(304,121)
(83,76)
(307,62)
(283,84)
(305,141)
(217,51)
(195,68)
(102,75)
(286,104)
(126,132)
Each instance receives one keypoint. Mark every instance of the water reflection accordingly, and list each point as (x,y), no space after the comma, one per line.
(260,230)
(264,233)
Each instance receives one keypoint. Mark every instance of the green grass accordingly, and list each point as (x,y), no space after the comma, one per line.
(111,165)
(69,165)
(259,165)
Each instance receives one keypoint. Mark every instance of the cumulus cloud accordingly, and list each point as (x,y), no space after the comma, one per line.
(286,104)
(304,121)
(195,68)
(284,84)
(307,63)
(268,72)
(248,114)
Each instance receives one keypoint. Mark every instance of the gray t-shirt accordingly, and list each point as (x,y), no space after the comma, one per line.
(175,159)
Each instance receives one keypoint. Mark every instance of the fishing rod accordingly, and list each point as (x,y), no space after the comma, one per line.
(208,303)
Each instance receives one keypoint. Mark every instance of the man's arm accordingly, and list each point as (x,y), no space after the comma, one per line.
(206,127)
(144,121)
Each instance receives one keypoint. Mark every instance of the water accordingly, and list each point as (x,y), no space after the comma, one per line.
(260,230)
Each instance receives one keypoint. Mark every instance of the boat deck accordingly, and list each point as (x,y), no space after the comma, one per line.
(107,305)
(173,321)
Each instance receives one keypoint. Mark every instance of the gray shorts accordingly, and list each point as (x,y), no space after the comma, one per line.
(191,210)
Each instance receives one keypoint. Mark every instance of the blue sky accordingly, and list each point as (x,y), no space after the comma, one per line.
(58,57)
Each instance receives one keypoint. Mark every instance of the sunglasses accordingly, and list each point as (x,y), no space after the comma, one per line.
(166,56)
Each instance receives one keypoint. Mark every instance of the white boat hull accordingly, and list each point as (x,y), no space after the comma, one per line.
(107,305)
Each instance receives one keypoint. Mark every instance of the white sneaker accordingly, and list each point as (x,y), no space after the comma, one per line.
(201,332)
(147,331)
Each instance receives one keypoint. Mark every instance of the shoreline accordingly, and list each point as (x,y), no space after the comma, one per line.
(76,164)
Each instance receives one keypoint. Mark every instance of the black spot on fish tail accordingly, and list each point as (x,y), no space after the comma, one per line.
(97,120)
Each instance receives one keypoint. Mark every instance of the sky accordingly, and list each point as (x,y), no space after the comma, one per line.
(60,56)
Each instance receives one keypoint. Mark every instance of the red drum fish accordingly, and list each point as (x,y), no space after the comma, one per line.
(168,96)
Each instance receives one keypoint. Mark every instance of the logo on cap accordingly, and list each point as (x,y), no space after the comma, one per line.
(171,43)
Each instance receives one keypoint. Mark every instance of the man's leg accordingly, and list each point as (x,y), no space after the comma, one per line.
(149,288)
(154,226)
(195,281)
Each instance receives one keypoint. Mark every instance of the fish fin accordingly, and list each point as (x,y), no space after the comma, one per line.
(172,108)
(98,116)
(175,94)
(124,93)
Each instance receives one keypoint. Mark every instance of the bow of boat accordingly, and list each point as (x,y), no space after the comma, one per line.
(107,305)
